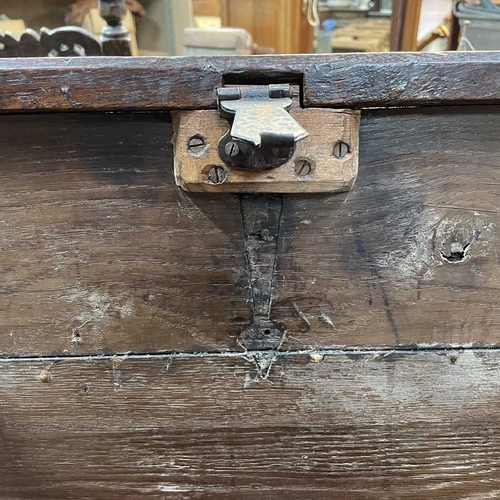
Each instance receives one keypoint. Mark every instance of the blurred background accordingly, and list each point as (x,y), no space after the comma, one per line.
(221,27)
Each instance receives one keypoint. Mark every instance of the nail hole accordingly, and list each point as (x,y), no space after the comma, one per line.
(267,331)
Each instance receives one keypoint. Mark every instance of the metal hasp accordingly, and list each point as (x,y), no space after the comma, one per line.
(261,140)
(263,134)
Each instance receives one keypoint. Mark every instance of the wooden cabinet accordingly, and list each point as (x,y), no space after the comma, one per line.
(272,23)
(37,13)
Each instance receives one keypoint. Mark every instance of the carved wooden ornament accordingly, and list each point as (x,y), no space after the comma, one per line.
(67,41)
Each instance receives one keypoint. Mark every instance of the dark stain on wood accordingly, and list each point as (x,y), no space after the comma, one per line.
(425,185)
(360,248)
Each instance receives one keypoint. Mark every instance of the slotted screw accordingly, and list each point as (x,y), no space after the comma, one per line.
(302,168)
(217,175)
(232,149)
(196,145)
(340,149)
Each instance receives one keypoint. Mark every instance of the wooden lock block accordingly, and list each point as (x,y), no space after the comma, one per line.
(324,162)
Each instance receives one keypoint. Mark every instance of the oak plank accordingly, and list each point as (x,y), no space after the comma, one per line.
(336,80)
(410,255)
(100,253)
(366,425)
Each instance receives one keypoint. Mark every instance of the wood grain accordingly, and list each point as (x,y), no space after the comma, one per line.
(101,253)
(279,24)
(410,255)
(343,80)
(360,426)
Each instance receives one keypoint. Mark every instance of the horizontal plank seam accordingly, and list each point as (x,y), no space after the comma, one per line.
(244,354)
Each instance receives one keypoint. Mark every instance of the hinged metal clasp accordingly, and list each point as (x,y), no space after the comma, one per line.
(263,134)
(260,139)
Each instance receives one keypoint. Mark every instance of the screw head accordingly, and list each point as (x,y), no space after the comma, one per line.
(341,149)
(302,168)
(196,145)
(217,175)
(232,148)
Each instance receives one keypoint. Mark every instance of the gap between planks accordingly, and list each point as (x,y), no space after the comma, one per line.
(244,354)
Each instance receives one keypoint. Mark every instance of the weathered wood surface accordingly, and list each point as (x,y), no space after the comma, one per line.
(411,254)
(101,253)
(366,426)
(349,80)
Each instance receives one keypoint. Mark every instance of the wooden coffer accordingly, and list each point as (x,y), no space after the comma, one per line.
(157,343)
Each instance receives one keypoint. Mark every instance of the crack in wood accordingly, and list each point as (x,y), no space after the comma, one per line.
(261,219)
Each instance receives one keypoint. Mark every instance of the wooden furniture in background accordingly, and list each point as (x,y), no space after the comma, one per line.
(94,23)
(404,25)
(156,34)
(417,23)
(80,8)
(367,35)
(115,37)
(37,13)
(70,41)
(271,23)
